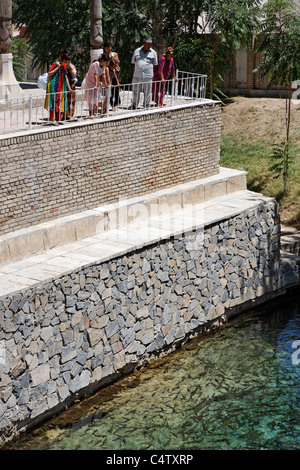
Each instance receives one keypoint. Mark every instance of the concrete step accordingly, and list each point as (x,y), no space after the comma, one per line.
(115,242)
(291,258)
(29,241)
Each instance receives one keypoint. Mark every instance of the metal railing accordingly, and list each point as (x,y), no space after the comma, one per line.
(29,112)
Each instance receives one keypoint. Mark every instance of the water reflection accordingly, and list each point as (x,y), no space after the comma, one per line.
(235,389)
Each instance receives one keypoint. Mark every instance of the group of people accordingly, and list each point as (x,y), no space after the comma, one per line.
(150,74)
(150,77)
(103,73)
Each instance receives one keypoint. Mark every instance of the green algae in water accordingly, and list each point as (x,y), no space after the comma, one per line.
(236,389)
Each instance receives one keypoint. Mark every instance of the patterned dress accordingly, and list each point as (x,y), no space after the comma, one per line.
(57,97)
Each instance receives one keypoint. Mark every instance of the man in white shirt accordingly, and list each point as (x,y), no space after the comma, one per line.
(144,59)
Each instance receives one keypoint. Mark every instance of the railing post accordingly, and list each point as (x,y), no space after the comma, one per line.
(30,113)
(108,100)
(192,88)
(173,91)
(176,87)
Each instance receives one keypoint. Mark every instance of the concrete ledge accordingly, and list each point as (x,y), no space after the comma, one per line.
(18,245)
(67,259)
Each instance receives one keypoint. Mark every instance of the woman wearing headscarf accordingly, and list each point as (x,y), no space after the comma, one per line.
(57,89)
(162,72)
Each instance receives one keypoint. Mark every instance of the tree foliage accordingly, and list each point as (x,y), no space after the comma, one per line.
(125,27)
(280,48)
(163,20)
(280,44)
(282,162)
(53,25)
(203,46)
(222,28)
(21,54)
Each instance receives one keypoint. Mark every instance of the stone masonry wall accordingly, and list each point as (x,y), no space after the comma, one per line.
(68,337)
(54,173)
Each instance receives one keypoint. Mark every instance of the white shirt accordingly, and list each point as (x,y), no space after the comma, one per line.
(144,62)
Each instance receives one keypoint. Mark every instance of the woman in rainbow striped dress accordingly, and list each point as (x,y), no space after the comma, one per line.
(57,89)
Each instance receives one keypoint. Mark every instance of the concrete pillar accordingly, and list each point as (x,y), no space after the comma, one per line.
(96,33)
(9,87)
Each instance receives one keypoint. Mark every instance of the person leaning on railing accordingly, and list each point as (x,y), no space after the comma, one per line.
(162,72)
(115,90)
(58,85)
(107,49)
(94,80)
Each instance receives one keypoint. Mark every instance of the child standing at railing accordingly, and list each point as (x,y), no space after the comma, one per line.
(115,91)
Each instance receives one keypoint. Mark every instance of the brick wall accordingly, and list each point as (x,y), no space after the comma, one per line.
(58,172)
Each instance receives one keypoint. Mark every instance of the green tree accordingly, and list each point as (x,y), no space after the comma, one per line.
(223,27)
(125,27)
(53,25)
(21,54)
(167,19)
(126,22)
(201,46)
(280,46)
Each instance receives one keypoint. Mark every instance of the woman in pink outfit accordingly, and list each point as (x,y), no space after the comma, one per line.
(94,80)
(162,72)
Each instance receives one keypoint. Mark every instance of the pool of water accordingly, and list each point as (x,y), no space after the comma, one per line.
(235,389)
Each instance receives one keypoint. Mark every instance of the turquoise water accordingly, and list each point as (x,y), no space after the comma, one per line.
(235,389)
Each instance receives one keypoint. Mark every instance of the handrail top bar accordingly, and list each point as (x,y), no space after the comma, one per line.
(123,85)
(192,73)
